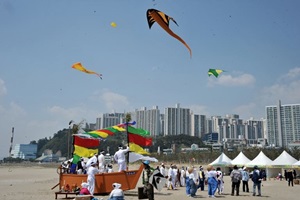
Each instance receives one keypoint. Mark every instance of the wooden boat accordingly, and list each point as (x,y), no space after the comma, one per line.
(104,181)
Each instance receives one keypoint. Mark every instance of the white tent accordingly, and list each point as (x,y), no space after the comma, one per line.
(284,160)
(296,164)
(261,160)
(240,160)
(222,160)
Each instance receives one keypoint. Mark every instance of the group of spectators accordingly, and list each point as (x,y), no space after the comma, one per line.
(194,179)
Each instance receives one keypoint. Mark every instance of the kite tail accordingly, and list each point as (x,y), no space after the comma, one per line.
(180,39)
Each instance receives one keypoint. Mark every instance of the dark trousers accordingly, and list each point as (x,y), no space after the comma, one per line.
(148,190)
(235,186)
(245,186)
(291,181)
(201,184)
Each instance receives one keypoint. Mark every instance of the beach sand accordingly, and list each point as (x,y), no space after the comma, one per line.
(34,182)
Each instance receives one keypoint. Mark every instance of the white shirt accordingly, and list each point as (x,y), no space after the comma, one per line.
(120,155)
(101,160)
(162,171)
(93,159)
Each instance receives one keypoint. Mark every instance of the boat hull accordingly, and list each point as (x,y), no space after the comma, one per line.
(103,181)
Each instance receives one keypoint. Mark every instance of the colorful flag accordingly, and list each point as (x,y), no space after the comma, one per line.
(137,149)
(86,142)
(139,140)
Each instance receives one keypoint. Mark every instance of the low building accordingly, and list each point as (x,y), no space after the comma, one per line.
(24,151)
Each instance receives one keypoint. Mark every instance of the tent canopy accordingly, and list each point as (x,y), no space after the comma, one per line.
(222,160)
(240,160)
(284,160)
(261,160)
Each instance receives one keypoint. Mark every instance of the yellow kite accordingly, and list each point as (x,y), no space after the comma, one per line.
(79,67)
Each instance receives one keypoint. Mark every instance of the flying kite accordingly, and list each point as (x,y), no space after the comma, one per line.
(113,24)
(79,67)
(163,20)
(215,72)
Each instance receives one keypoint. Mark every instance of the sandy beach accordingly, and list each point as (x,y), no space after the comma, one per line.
(35,182)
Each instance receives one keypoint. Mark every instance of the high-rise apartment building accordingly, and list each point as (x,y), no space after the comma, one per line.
(198,125)
(149,120)
(177,121)
(109,119)
(283,124)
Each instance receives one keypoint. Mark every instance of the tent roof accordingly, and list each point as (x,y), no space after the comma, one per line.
(240,159)
(261,160)
(222,160)
(284,159)
(296,163)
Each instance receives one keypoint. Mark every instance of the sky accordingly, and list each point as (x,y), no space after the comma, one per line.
(256,42)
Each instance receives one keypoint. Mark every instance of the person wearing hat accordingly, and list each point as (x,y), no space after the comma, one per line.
(92,170)
(84,189)
(80,167)
(117,193)
(93,159)
(120,158)
(201,178)
(236,177)
(256,178)
(245,179)
(101,161)
(148,187)
(212,181)
(220,180)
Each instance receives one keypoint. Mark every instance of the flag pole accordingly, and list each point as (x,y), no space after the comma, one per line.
(127,120)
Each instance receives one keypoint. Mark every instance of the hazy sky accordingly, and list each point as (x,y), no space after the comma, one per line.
(257,42)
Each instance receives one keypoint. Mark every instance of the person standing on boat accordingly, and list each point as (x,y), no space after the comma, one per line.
(101,161)
(80,166)
(93,159)
(92,170)
(120,158)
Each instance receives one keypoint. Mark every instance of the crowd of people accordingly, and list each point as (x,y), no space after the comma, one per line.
(195,179)
(192,178)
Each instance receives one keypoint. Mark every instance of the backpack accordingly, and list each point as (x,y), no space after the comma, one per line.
(255,176)
(236,176)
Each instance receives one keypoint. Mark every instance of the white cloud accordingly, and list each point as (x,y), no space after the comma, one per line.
(231,81)
(3,89)
(199,109)
(292,74)
(75,113)
(249,110)
(114,101)
(286,89)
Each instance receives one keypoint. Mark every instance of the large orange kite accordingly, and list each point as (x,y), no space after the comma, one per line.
(163,20)
(79,67)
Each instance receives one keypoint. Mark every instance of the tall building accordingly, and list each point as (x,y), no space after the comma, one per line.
(177,121)
(283,124)
(198,125)
(254,130)
(24,151)
(109,119)
(149,120)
